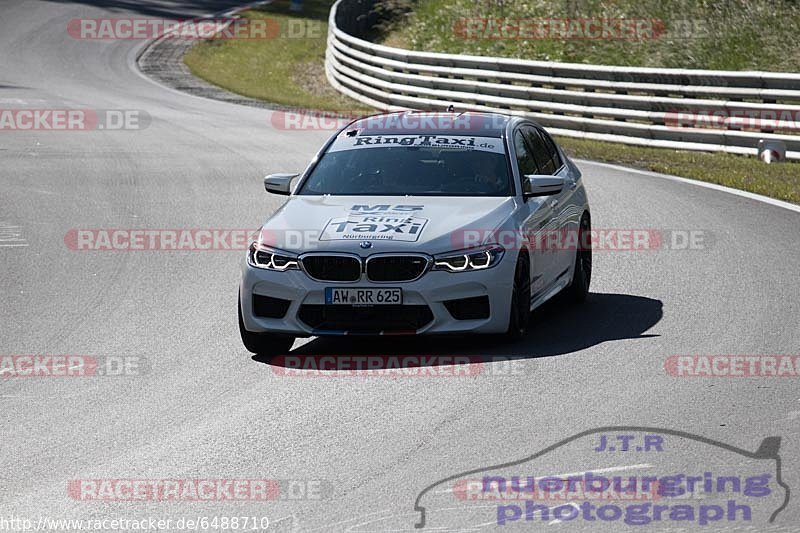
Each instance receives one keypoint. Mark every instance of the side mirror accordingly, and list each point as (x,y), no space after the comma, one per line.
(538,185)
(279,183)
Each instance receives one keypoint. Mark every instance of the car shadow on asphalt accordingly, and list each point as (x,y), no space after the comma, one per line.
(557,328)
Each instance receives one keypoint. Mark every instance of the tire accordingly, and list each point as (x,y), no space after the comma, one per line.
(520,314)
(578,289)
(263,343)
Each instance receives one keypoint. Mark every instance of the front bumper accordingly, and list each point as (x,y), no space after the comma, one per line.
(306,299)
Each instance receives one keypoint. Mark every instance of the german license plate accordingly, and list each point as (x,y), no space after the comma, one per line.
(363,296)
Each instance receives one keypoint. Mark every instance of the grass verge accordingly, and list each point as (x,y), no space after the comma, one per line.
(729,35)
(777,180)
(290,72)
(287,69)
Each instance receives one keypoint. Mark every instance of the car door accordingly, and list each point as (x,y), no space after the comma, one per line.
(571,207)
(564,223)
(536,218)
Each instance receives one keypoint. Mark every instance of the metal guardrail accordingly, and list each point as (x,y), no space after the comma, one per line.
(632,105)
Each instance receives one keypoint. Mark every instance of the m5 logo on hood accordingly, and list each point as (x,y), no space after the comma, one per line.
(386,208)
(374,227)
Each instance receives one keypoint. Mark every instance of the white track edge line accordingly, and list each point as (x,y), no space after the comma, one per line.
(749,195)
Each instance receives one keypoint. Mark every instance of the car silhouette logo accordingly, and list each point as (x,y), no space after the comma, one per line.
(520,500)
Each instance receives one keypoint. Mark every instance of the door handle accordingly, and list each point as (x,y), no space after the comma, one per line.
(553,204)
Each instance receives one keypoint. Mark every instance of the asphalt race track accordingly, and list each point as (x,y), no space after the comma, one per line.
(204,408)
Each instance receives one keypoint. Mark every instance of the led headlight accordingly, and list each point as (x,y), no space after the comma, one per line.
(469,260)
(260,256)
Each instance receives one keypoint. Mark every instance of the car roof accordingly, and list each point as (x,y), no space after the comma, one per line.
(431,123)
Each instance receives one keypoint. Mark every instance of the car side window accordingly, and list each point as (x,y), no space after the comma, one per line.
(551,147)
(544,159)
(525,161)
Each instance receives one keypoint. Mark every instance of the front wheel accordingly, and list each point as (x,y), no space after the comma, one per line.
(520,314)
(263,343)
(578,289)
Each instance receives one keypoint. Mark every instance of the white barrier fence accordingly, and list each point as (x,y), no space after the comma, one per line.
(668,108)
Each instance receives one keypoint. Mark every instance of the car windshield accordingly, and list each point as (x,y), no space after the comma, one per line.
(415,165)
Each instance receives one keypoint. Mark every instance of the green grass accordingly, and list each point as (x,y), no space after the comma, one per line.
(777,180)
(290,72)
(282,70)
(705,34)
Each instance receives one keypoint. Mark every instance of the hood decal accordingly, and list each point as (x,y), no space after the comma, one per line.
(374,227)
